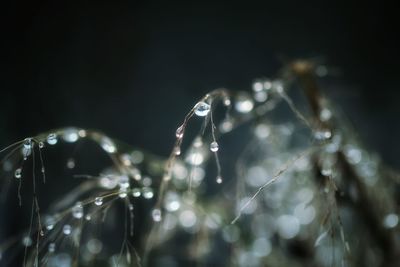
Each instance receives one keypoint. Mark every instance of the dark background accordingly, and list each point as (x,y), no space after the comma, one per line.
(133,69)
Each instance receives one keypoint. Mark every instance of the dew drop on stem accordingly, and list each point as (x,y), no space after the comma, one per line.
(202,109)
(214,146)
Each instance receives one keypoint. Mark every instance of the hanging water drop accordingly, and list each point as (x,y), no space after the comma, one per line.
(227,101)
(177,151)
(147,192)
(122,192)
(27,147)
(136,192)
(50,222)
(325,114)
(41,145)
(18,173)
(67,229)
(179,132)
(201,109)
(98,201)
(156,214)
(77,210)
(52,139)
(108,145)
(28,143)
(214,146)
(219,179)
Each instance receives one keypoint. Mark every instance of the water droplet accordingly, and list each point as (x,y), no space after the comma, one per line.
(321,70)
(267,84)
(98,201)
(126,159)
(137,157)
(135,173)
(136,192)
(28,143)
(177,150)
(258,86)
(70,163)
(261,247)
(230,233)
(52,247)
(172,201)
(70,135)
(147,181)
(198,142)
(52,139)
(262,131)
(244,104)
(50,222)
(130,206)
(27,241)
(325,114)
(227,101)
(108,182)
(41,145)
(123,192)
(147,192)
(88,217)
(288,226)
(179,132)
(156,214)
(201,109)
(261,96)
(277,86)
(214,146)
(226,126)
(188,218)
(77,210)
(391,220)
(353,154)
(305,214)
(326,172)
(196,158)
(108,145)
(123,181)
(82,133)
(322,135)
(18,173)
(94,246)
(219,179)
(27,147)
(67,229)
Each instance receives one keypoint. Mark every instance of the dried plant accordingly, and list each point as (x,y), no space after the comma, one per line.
(273,177)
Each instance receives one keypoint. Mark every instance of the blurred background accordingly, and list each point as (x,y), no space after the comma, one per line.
(133,69)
